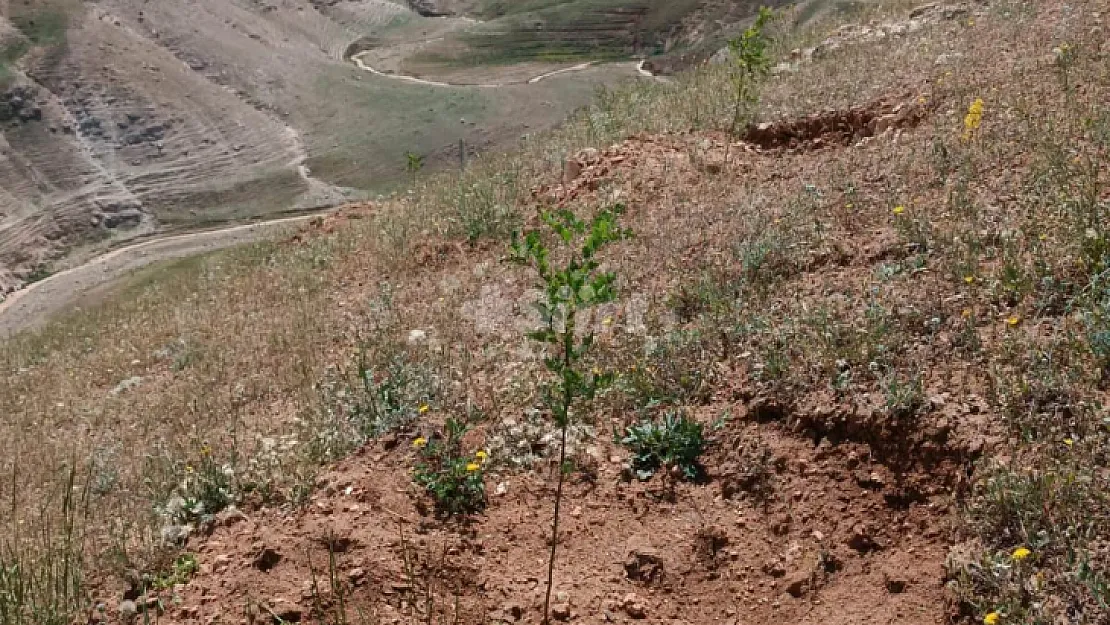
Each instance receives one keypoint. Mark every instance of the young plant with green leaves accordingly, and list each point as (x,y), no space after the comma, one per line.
(573,286)
(750,62)
(413,164)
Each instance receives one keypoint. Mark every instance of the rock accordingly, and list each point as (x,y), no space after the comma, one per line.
(774,568)
(797,585)
(356,575)
(571,172)
(127,611)
(30,113)
(512,611)
(417,336)
(644,564)
(861,539)
(175,535)
(633,607)
(923,10)
(286,611)
(220,562)
(124,219)
(561,611)
(230,516)
(126,385)
(894,581)
(266,559)
(589,156)
(948,58)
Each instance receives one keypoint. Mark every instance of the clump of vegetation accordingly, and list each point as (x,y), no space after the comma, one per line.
(570,288)
(674,443)
(41,571)
(181,571)
(387,390)
(454,479)
(205,488)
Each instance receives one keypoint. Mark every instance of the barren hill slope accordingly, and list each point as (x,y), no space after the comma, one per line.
(128,117)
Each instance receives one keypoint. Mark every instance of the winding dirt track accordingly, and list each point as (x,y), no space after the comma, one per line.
(33,306)
(357,60)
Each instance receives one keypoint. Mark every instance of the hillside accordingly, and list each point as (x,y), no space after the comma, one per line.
(839,351)
(126,118)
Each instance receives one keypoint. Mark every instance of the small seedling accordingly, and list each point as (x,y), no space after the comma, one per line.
(569,289)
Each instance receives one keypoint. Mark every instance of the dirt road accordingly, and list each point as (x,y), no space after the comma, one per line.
(357,59)
(34,305)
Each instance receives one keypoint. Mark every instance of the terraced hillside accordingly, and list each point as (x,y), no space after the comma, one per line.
(122,118)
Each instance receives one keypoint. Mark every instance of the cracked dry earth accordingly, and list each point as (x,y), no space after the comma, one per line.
(814,512)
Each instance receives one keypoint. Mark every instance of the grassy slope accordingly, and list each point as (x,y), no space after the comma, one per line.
(979,305)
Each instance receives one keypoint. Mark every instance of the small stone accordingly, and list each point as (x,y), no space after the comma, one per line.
(175,535)
(895,582)
(127,611)
(797,585)
(229,517)
(861,539)
(126,385)
(644,564)
(571,171)
(266,559)
(633,607)
(417,336)
(356,575)
(561,611)
(220,562)
(286,611)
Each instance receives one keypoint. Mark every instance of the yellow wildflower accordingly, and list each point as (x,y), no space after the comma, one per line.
(849,206)
(473,466)
(189,468)
(973,119)
(898,210)
(966,313)
(206,451)
(481,455)
(596,370)
(1020,554)
(992,618)
(420,442)
(969,279)
(1013,320)
(1043,237)
(1069,441)
(424,408)
(608,321)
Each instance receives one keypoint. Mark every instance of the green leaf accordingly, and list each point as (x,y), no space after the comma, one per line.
(586,294)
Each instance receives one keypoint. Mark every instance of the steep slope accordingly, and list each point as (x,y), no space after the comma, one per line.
(126,117)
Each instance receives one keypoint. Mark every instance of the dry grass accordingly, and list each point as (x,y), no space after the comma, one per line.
(917,288)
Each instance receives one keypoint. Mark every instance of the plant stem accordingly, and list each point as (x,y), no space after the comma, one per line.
(555,526)
(564,422)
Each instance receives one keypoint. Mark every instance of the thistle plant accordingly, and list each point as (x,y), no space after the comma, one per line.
(570,288)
